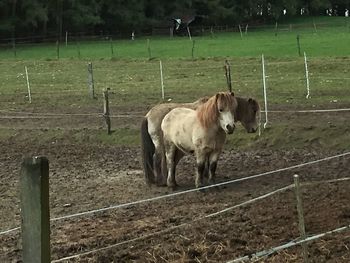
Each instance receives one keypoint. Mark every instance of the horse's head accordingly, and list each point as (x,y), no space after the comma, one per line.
(220,110)
(250,115)
(226,105)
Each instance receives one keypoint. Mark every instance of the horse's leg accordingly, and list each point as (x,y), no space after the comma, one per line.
(201,162)
(170,150)
(213,160)
(157,162)
(206,170)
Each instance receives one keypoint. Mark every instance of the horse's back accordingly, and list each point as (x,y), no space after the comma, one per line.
(158,112)
(177,127)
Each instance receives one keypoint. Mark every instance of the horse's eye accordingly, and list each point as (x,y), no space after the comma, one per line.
(221,110)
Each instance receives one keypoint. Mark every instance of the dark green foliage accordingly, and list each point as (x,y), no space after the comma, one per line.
(51,18)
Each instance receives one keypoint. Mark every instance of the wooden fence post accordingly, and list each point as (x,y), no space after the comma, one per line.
(112,49)
(300,216)
(106,110)
(228,75)
(91,81)
(35,212)
(193,42)
(298,43)
(58,49)
(149,49)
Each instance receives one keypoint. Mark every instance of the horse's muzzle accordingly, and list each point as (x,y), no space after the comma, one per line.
(230,128)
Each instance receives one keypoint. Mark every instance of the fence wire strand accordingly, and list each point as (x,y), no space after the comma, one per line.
(178,226)
(118,206)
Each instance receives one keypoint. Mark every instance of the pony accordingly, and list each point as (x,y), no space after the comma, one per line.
(153,159)
(201,131)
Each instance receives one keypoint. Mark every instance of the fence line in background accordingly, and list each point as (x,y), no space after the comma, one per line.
(219,67)
(34,115)
(194,189)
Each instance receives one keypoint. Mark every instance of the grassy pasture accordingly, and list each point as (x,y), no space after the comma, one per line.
(60,86)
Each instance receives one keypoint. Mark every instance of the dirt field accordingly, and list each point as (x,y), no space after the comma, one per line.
(85,175)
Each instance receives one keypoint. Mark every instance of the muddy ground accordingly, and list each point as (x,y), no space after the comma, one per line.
(86,175)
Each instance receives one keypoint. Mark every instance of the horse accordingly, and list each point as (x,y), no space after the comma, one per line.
(153,159)
(201,131)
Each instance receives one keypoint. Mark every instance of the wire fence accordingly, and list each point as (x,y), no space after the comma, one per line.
(130,85)
(245,203)
(71,216)
(31,115)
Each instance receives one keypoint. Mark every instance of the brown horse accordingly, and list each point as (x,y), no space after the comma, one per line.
(154,165)
(201,131)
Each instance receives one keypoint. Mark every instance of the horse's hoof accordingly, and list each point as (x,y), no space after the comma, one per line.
(172,186)
(211,181)
(203,190)
(161,184)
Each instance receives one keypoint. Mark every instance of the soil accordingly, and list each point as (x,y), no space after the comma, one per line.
(87,176)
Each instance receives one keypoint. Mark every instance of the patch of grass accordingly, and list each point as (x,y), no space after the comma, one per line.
(60,86)
(63,84)
(284,136)
(122,136)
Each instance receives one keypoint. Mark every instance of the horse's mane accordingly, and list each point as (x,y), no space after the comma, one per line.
(208,113)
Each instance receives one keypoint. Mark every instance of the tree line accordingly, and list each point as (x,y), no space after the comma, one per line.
(19,18)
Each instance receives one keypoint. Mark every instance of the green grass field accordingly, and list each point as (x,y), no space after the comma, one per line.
(60,86)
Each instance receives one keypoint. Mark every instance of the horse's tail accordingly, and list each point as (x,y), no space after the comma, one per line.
(147,152)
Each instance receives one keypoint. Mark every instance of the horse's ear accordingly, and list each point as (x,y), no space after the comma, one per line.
(232,93)
(250,100)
